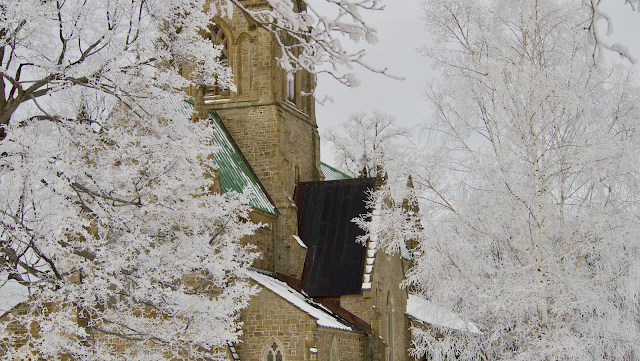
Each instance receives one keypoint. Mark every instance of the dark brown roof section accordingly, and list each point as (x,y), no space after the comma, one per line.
(335,262)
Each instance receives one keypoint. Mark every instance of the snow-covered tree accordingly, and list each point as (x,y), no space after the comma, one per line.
(312,39)
(600,24)
(365,142)
(529,191)
(113,46)
(111,228)
(110,233)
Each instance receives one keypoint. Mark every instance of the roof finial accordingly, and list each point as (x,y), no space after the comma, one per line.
(410,182)
(200,110)
(380,178)
(363,173)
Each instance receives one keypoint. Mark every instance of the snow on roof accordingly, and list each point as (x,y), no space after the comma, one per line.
(324,317)
(11,294)
(330,173)
(405,252)
(427,312)
(300,241)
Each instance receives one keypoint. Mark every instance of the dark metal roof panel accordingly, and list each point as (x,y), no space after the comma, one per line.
(335,262)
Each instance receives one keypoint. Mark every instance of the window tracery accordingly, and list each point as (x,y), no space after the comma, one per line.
(273,351)
(218,37)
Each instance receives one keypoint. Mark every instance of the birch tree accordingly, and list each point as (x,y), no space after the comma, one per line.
(365,142)
(110,233)
(529,189)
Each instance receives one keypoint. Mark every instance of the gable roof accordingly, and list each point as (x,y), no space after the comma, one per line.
(235,172)
(331,173)
(334,264)
(324,317)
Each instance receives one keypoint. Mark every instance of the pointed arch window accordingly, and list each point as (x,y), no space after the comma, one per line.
(290,78)
(273,351)
(334,355)
(218,37)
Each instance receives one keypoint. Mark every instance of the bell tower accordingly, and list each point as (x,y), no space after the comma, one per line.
(272,123)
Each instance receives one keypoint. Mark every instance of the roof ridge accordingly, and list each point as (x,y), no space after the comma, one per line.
(352,180)
(336,170)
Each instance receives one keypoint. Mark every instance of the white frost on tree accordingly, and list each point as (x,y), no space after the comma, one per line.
(529,192)
(108,221)
(311,39)
(596,34)
(365,142)
(599,25)
(117,237)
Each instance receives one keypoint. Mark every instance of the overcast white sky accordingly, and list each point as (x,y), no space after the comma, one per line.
(400,31)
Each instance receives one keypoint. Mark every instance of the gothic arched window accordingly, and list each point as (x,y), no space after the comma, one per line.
(334,355)
(273,351)
(290,79)
(218,37)
(291,88)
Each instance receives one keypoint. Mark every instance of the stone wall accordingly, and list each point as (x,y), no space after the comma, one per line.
(299,149)
(263,239)
(359,305)
(270,317)
(387,276)
(16,329)
(351,346)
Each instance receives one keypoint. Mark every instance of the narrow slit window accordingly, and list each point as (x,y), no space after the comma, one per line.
(291,88)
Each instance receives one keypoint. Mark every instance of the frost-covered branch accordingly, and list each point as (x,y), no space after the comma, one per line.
(105,215)
(528,189)
(596,34)
(310,39)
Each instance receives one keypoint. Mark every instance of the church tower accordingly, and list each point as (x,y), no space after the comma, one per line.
(272,123)
(309,250)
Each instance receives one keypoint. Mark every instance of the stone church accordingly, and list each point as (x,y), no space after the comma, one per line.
(324,296)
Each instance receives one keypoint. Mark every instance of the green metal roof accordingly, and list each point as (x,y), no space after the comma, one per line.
(235,172)
(331,173)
